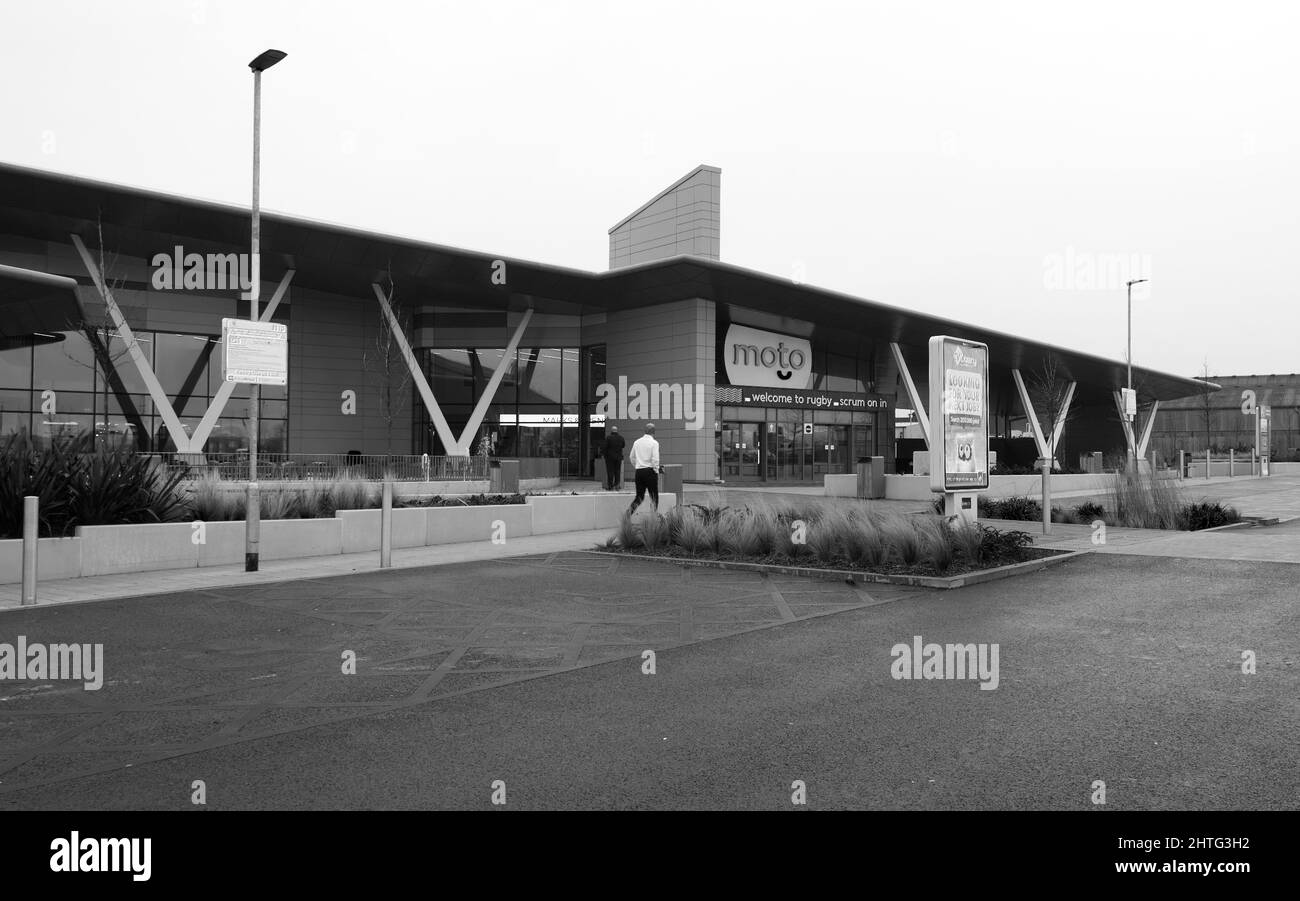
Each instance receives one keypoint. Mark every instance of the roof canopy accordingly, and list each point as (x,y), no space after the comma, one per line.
(137,222)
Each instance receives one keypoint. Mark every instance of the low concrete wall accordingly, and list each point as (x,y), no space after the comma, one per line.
(1285,469)
(589,511)
(106,550)
(841,484)
(453,525)
(360,528)
(56,558)
(915,488)
(103,550)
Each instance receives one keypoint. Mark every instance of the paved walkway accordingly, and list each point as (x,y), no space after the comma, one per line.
(67,591)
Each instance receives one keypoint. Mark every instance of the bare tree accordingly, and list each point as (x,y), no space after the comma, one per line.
(388,365)
(1206,403)
(100,332)
(1050,395)
(1049,390)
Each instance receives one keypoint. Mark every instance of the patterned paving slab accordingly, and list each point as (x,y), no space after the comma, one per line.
(203,669)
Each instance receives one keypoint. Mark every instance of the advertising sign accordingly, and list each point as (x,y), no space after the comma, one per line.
(1264,425)
(254,353)
(767,359)
(959,414)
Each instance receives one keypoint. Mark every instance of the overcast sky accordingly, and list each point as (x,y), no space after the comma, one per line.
(1007,164)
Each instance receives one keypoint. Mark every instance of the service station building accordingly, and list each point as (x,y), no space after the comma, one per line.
(112,298)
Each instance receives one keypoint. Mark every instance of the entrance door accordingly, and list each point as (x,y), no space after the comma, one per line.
(742,449)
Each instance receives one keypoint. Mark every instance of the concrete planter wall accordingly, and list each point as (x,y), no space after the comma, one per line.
(105,550)
(56,558)
(589,511)
(403,489)
(917,488)
(420,527)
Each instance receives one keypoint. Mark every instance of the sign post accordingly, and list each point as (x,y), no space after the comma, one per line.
(254,353)
(1263,436)
(959,417)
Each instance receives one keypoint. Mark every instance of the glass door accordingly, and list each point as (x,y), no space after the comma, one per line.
(741,450)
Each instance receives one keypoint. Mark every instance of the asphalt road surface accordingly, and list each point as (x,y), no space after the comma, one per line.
(1126,670)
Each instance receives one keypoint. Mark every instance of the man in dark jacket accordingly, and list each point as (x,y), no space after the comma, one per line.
(614,445)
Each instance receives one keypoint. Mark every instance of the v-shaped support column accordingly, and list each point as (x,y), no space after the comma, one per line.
(151,383)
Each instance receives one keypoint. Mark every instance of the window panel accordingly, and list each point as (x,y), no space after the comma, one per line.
(175,359)
(16,367)
(66,365)
(453,376)
(120,358)
(540,375)
(12,421)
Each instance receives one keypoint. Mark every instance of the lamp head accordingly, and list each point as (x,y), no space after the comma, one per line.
(266,59)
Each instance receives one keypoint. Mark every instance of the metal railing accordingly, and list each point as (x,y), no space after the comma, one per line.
(328,467)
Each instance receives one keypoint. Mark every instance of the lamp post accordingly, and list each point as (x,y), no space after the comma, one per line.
(1131,283)
(252,524)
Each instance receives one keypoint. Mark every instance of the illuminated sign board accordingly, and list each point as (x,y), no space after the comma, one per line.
(959,414)
(767,359)
(760,396)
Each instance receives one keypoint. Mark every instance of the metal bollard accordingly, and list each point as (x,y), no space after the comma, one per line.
(1232,462)
(1207,462)
(30,546)
(386,528)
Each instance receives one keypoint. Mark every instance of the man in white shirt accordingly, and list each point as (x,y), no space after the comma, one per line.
(645,460)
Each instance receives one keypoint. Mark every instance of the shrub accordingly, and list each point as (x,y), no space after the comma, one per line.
(937,542)
(1017,508)
(351,493)
(738,534)
(689,530)
(825,535)
(627,534)
(76,485)
(280,503)
(904,542)
(1203,515)
(969,542)
(1089,511)
(998,546)
(655,531)
(1144,502)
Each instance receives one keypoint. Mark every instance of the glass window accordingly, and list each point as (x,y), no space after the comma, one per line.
(70,402)
(12,421)
(181,362)
(120,358)
(484,363)
(15,400)
(453,376)
(228,436)
(271,409)
(569,384)
(597,371)
(65,365)
(540,375)
(15,367)
(60,426)
(842,374)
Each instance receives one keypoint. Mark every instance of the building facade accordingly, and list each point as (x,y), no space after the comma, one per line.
(113,298)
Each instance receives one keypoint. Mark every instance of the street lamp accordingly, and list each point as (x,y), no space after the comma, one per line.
(1131,283)
(260,64)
